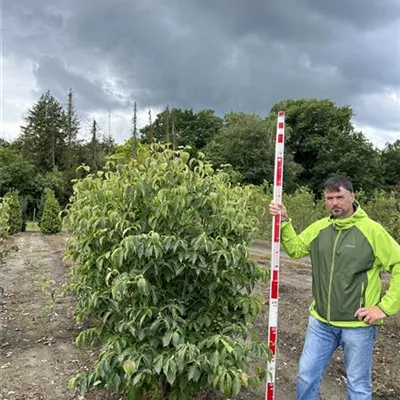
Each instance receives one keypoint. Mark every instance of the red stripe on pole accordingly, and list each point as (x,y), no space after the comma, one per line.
(272,340)
(275,275)
(281,114)
(280,138)
(279,172)
(277,224)
(274,290)
(280,125)
(270,391)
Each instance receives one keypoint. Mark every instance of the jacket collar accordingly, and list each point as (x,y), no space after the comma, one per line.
(346,223)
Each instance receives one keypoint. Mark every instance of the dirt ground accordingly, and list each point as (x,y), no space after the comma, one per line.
(38,354)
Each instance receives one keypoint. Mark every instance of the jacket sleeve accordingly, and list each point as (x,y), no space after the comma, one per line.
(298,246)
(387,250)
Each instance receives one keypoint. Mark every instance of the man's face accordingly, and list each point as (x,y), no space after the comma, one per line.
(340,203)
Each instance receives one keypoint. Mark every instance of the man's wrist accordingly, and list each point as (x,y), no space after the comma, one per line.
(387,315)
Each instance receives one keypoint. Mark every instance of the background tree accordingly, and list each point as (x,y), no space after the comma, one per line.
(72,126)
(134,130)
(44,137)
(50,221)
(323,141)
(4,218)
(390,160)
(190,128)
(15,213)
(247,143)
(15,171)
(94,144)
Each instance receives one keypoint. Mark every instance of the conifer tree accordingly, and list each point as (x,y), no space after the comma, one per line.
(72,125)
(50,222)
(15,212)
(44,137)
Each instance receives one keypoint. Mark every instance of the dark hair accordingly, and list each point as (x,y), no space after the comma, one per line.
(334,184)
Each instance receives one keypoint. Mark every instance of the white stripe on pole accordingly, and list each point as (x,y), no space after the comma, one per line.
(275,258)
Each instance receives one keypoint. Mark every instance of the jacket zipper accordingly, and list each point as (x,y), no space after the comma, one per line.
(331,276)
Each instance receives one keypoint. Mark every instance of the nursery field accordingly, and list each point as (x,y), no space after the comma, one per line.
(38,354)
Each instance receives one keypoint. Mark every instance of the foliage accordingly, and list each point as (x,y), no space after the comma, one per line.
(24,204)
(4,232)
(261,197)
(72,125)
(390,160)
(44,136)
(48,152)
(15,213)
(50,222)
(247,143)
(183,128)
(323,141)
(303,208)
(123,152)
(384,208)
(4,218)
(56,180)
(162,272)
(3,237)
(15,171)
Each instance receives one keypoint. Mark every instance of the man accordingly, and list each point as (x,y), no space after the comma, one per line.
(348,250)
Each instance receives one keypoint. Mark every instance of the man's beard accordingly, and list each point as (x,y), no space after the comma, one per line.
(339,212)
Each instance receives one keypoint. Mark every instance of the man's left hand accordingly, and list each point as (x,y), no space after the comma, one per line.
(370,314)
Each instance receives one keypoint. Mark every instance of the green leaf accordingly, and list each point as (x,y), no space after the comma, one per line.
(137,379)
(158,364)
(167,338)
(171,373)
(237,384)
(191,372)
(175,339)
(245,379)
(228,385)
(129,367)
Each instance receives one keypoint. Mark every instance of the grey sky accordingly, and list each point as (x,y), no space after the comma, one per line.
(241,55)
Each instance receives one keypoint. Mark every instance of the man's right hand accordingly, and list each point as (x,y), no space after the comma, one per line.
(275,209)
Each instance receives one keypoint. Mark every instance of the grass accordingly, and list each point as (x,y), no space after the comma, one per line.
(32,226)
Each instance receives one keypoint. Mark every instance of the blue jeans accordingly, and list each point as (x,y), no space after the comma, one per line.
(321,341)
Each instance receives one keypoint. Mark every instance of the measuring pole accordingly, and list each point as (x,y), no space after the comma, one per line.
(275,258)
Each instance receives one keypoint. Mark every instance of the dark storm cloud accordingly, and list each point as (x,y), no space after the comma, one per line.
(226,54)
(53,73)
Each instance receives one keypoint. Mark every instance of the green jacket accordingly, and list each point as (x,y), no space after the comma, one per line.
(347,257)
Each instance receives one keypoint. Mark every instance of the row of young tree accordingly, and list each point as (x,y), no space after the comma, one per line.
(47,153)
(12,218)
(320,140)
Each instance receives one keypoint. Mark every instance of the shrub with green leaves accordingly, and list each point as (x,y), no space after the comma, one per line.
(15,212)
(161,270)
(4,231)
(4,217)
(302,208)
(50,221)
(261,197)
(384,208)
